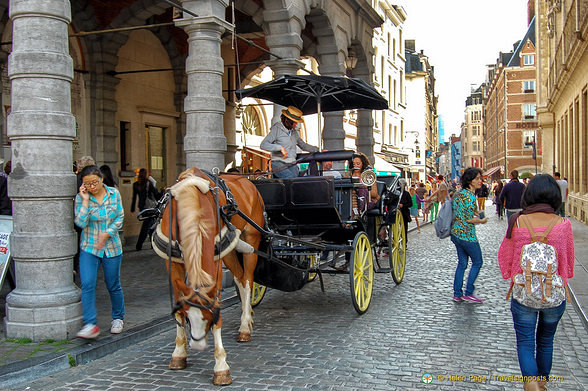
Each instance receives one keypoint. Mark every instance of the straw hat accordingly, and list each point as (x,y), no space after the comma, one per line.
(293,113)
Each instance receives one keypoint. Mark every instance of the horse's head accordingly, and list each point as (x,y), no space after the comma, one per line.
(200,310)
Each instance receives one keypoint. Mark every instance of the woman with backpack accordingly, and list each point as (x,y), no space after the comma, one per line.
(463,235)
(536,321)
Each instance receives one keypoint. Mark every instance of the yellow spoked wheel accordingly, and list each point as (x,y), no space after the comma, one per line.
(257,293)
(361,273)
(397,250)
(313,264)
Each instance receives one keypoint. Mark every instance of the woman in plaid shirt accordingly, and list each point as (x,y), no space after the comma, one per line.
(99,212)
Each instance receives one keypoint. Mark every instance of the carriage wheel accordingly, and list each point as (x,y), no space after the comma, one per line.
(257,293)
(313,263)
(361,273)
(397,248)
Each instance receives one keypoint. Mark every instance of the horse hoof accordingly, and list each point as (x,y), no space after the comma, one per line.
(222,378)
(177,363)
(244,337)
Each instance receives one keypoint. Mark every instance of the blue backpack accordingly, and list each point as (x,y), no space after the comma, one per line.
(444,219)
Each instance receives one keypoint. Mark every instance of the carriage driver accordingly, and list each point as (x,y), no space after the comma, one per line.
(282,141)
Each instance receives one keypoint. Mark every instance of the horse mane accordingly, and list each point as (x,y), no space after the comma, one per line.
(193,227)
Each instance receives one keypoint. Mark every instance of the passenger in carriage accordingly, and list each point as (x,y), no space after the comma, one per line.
(282,140)
(360,163)
(329,171)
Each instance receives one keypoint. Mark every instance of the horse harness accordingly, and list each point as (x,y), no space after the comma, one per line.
(227,237)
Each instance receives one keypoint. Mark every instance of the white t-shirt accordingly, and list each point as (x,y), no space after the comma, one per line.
(333,173)
(563,187)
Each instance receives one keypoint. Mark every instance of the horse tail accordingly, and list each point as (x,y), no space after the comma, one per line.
(193,227)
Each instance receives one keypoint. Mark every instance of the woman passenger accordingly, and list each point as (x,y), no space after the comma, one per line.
(360,163)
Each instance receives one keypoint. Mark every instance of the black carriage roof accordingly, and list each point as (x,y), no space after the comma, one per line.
(325,156)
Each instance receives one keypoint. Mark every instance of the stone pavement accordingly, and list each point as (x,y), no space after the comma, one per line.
(309,339)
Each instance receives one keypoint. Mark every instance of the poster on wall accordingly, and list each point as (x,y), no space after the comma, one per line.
(5,231)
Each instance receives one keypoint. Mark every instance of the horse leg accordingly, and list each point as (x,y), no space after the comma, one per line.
(180,354)
(232,263)
(222,374)
(246,312)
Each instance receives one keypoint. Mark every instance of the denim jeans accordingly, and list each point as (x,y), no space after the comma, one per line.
(89,265)
(535,350)
(290,172)
(466,249)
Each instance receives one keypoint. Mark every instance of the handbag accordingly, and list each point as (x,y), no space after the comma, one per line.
(150,201)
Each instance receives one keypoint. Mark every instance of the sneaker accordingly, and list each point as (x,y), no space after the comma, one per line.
(116,327)
(472,299)
(457,299)
(89,331)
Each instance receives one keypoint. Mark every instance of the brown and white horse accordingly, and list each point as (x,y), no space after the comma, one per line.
(197,278)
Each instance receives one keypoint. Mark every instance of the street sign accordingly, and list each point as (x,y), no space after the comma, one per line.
(5,231)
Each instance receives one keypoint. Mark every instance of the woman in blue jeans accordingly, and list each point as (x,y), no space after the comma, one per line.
(99,213)
(535,327)
(463,235)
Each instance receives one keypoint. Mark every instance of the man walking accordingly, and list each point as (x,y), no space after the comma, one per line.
(563,187)
(511,195)
(442,189)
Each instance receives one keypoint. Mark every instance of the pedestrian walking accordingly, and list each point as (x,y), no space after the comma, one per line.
(499,205)
(282,140)
(482,194)
(414,210)
(145,192)
(433,201)
(511,194)
(108,177)
(421,191)
(404,204)
(463,235)
(99,213)
(535,327)
(563,186)
(442,189)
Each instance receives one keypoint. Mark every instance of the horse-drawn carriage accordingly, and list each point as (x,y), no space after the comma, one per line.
(278,233)
(313,221)
(270,233)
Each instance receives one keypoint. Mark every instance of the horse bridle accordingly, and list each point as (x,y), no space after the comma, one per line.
(210,306)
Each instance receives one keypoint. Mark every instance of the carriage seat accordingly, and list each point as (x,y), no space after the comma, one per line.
(379,209)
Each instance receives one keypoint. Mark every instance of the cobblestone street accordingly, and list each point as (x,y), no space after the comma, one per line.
(314,340)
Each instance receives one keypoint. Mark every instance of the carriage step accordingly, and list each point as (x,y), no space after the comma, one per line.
(384,270)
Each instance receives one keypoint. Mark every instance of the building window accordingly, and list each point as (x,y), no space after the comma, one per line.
(475,130)
(529,59)
(476,146)
(528,139)
(529,111)
(529,86)
(476,115)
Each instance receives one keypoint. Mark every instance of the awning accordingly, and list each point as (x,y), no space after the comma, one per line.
(491,171)
(382,167)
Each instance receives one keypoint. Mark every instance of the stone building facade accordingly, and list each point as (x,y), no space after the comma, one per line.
(562,94)
(129,84)
(422,119)
(513,135)
(472,132)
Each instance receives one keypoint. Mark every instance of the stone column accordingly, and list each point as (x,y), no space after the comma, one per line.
(205,143)
(230,126)
(41,128)
(365,124)
(289,66)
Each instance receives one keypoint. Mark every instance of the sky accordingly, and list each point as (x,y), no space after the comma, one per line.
(461,37)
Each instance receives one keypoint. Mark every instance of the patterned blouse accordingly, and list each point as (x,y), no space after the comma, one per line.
(98,218)
(464,208)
